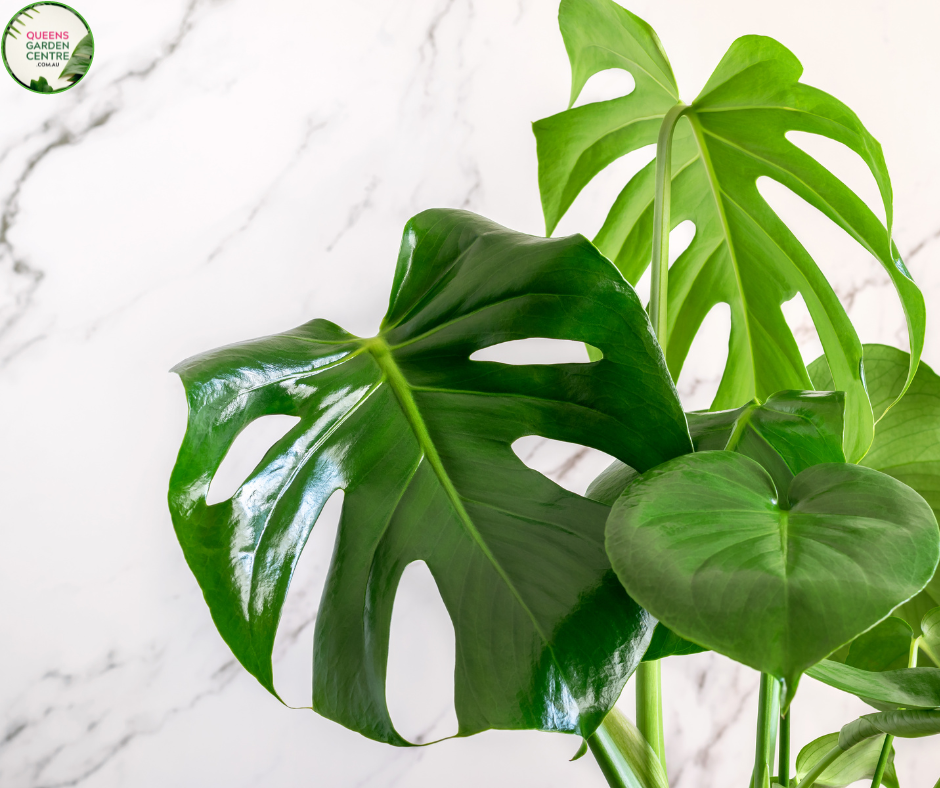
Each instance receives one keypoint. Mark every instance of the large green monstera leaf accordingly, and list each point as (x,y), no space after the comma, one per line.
(742,253)
(419,437)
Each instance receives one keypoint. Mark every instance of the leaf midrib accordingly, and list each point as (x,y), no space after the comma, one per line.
(400,387)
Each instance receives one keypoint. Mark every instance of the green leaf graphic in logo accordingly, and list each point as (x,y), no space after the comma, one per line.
(41,86)
(81,58)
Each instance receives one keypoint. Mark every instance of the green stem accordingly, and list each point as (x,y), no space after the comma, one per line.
(659,292)
(768,711)
(608,757)
(649,707)
(821,765)
(882,762)
(783,759)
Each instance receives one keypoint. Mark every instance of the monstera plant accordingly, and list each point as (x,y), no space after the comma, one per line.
(791,527)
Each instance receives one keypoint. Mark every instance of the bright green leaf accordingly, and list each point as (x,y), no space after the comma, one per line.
(702,543)
(859,763)
(912,688)
(930,629)
(419,437)
(886,646)
(41,86)
(742,254)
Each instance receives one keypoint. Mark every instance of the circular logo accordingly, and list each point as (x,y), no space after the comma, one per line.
(47,47)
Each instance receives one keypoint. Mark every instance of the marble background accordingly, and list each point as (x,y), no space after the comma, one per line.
(231,169)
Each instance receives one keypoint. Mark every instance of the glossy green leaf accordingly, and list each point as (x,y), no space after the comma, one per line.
(419,437)
(911,688)
(886,646)
(903,724)
(666,643)
(790,432)
(80,61)
(624,756)
(702,543)
(742,253)
(857,764)
(907,437)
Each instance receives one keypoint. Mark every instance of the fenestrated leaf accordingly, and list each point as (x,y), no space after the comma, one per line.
(419,437)
(859,763)
(907,437)
(703,544)
(742,254)
(910,688)
(886,646)
(80,61)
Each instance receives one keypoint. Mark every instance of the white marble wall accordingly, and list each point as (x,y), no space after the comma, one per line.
(230,169)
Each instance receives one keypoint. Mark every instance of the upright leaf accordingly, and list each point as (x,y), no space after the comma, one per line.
(742,253)
(703,544)
(419,437)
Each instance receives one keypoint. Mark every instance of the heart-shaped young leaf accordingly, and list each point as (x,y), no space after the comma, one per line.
(907,437)
(419,437)
(790,432)
(703,544)
(909,688)
(886,646)
(742,254)
(859,763)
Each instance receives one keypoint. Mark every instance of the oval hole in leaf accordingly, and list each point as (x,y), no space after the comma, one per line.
(567,464)
(589,209)
(537,350)
(419,688)
(845,164)
(860,282)
(293,667)
(612,83)
(701,372)
(797,315)
(679,239)
(245,453)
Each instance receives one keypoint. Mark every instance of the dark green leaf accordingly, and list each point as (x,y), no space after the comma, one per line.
(80,61)
(666,643)
(742,254)
(907,437)
(886,646)
(419,437)
(702,543)
(859,763)
(790,432)
(41,86)
(912,688)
